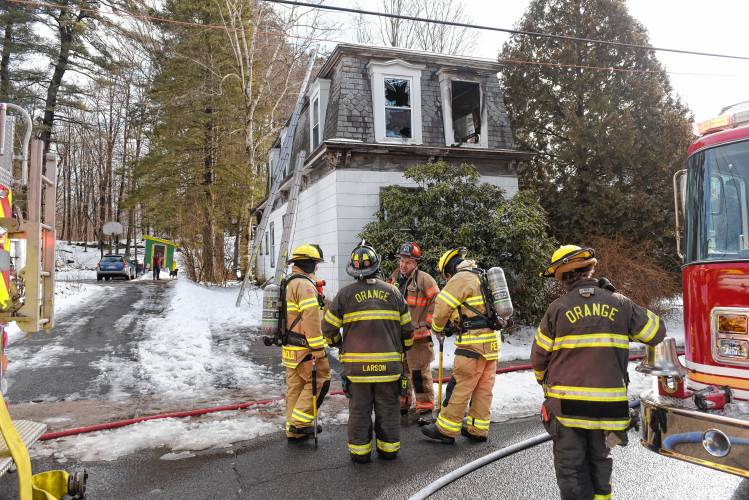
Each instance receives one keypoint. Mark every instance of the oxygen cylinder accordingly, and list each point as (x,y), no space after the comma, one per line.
(271,321)
(500,292)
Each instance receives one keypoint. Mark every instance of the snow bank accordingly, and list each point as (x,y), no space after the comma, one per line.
(193,348)
(180,437)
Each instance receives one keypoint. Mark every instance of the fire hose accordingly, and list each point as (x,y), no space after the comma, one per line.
(233,407)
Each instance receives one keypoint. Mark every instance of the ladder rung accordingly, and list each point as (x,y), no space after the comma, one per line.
(46,227)
(43,321)
(47,180)
(45,273)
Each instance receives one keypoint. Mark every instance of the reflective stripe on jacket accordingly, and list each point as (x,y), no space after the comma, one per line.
(464,288)
(376,329)
(580,354)
(301,300)
(419,293)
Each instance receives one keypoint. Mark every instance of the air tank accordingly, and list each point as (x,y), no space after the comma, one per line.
(500,292)
(271,321)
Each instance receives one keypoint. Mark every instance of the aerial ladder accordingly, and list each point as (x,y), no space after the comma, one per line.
(27,288)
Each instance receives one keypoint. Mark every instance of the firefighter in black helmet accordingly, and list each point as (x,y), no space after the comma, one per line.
(376,332)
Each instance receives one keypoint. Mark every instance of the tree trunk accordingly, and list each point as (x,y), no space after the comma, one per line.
(66,32)
(5,62)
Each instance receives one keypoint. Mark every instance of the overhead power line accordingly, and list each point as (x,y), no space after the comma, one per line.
(199,26)
(504,30)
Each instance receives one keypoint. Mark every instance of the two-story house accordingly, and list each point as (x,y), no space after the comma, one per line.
(372,112)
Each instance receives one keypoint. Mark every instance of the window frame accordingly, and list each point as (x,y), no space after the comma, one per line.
(379,71)
(445,80)
(319,92)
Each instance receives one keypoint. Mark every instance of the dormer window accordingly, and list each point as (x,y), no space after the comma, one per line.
(396,101)
(463,110)
(318,98)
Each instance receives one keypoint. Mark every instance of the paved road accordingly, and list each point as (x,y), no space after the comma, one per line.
(268,467)
(63,365)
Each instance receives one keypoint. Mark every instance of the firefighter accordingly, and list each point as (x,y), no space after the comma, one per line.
(461,303)
(419,290)
(376,332)
(579,356)
(305,342)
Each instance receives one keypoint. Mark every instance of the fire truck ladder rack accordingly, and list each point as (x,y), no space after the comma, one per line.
(279,167)
(37,311)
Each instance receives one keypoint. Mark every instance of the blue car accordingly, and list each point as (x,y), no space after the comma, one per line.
(114,266)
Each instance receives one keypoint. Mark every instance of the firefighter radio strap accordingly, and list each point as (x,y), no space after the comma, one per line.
(289,336)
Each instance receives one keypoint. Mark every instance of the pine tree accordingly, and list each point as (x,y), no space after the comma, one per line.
(607,141)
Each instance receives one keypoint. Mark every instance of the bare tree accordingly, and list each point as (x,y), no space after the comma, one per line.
(409,34)
(269,46)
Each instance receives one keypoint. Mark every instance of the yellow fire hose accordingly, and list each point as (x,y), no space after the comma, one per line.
(50,485)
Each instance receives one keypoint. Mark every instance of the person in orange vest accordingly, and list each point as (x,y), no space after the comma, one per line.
(304,309)
(419,290)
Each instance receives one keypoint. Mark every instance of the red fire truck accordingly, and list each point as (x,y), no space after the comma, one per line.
(688,417)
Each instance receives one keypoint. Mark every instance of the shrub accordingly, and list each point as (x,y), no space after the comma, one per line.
(450,208)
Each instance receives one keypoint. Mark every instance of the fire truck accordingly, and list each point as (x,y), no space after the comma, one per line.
(700,410)
(27,280)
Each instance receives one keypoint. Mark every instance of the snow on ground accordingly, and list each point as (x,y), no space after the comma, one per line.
(192,348)
(180,438)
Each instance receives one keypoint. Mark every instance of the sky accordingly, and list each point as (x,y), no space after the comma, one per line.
(719,26)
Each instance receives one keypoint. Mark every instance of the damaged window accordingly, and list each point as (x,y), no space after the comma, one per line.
(315,123)
(398,108)
(466,112)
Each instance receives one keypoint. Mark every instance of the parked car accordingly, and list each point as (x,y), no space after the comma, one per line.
(114,266)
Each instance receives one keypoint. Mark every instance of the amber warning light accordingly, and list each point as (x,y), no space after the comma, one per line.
(730,117)
(732,323)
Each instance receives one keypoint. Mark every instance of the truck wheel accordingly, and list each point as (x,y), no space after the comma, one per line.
(98,277)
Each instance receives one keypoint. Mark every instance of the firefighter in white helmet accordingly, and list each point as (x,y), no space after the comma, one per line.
(304,309)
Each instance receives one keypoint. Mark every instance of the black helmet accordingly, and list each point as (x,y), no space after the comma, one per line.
(364,261)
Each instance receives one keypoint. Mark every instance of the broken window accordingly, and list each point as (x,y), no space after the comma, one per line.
(466,112)
(315,123)
(398,108)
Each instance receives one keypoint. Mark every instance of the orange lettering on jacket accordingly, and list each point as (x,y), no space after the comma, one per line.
(595,309)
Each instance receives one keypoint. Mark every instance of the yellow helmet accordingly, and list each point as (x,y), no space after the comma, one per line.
(448,256)
(567,258)
(307,251)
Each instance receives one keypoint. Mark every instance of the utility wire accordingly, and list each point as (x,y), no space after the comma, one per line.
(504,30)
(307,38)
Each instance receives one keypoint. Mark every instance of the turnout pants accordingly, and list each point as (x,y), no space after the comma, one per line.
(581,462)
(420,358)
(384,398)
(472,380)
(299,412)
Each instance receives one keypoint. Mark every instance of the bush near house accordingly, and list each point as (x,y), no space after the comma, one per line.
(451,207)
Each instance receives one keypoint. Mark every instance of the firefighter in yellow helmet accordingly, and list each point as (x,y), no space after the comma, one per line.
(304,306)
(580,356)
(376,331)
(419,290)
(461,302)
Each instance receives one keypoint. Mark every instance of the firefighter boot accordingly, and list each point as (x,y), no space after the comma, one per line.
(472,437)
(432,432)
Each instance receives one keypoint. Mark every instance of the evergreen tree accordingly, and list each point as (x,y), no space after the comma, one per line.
(608,141)
(192,178)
